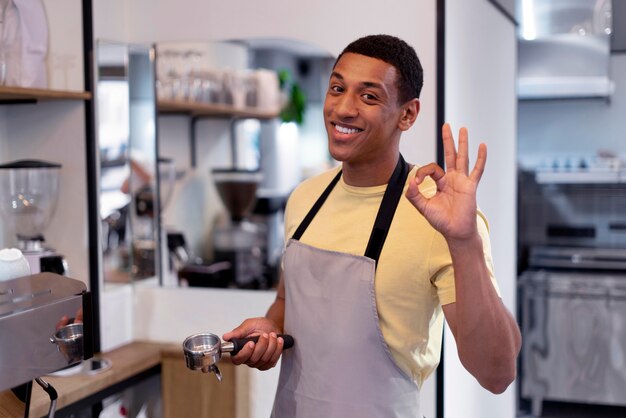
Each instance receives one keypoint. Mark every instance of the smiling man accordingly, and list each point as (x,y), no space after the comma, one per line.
(378,253)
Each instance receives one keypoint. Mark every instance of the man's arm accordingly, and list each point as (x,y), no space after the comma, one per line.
(265,353)
(276,312)
(487,336)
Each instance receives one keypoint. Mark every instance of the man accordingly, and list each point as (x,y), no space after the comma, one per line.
(376,253)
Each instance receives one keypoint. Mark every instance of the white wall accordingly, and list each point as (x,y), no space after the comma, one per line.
(65,44)
(480,94)
(110,20)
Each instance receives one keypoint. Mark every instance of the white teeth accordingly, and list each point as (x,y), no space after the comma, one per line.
(344,130)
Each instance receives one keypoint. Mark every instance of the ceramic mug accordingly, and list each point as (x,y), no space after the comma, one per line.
(13,264)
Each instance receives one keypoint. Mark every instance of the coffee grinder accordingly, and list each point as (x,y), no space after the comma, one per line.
(240,241)
(29,190)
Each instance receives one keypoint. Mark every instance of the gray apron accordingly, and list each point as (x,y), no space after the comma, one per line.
(340,366)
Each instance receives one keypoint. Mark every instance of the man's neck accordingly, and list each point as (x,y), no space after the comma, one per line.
(369,174)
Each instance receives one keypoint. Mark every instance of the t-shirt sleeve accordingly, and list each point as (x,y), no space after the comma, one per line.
(442,273)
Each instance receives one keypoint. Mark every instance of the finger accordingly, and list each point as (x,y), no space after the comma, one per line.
(62,322)
(242,331)
(481,162)
(462,157)
(79,316)
(432,170)
(243,356)
(279,350)
(415,196)
(277,353)
(449,151)
(259,349)
(271,348)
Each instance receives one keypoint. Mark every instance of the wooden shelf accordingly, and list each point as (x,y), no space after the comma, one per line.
(21,94)
(211,109)
(126,362)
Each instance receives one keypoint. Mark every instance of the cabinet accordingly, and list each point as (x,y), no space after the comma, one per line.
(188,393)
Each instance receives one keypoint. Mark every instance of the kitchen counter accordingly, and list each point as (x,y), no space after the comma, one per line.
(127,362)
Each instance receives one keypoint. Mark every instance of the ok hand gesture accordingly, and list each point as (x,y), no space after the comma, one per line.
(452,210)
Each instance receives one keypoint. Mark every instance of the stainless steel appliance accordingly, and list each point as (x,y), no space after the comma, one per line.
(564,49)
(241,242)
(574,326)
(36,339)
(28,199)
(572,285)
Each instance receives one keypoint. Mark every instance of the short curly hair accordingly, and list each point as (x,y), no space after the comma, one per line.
(396,52)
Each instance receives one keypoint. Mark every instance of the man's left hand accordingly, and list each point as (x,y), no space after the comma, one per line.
(452,209)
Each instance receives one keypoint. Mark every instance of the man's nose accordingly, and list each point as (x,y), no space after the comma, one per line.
(346,106)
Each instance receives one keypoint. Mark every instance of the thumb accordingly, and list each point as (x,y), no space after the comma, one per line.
(243,330)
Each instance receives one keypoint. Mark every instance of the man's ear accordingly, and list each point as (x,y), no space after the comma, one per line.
(409,114)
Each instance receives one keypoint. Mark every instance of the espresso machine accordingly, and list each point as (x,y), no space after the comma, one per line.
(241,241)
(29,192)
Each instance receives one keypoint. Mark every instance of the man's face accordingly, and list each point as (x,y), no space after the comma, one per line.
(361,111)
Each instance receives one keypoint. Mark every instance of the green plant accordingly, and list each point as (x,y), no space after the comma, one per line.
(294,109)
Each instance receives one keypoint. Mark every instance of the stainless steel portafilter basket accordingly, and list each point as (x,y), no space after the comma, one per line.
(204,350)
(69,341)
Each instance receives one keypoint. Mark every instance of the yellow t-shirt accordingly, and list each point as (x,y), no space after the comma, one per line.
(414,276)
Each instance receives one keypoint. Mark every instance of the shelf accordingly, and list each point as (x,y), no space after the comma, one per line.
(211,109)
(20,94)
(580,177)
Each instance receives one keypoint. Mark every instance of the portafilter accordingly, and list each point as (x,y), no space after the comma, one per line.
(204,350)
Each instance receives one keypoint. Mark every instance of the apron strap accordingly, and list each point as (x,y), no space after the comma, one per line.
(387,210)
(316,207)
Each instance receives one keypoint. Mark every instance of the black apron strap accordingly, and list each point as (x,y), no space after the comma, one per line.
(387,210)
(316,207)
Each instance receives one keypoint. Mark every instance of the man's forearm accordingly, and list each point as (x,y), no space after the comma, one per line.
(488,338)
(276,312)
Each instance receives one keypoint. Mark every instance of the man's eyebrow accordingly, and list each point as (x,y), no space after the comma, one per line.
(370,84)
(336,75)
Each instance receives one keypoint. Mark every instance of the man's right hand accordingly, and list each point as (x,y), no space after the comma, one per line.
(265,353)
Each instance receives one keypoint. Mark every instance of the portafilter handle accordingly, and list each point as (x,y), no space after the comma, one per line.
(236,344)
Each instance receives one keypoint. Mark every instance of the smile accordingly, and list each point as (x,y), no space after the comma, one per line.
(346,130)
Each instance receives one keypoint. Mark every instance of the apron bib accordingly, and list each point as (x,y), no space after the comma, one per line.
(340,366)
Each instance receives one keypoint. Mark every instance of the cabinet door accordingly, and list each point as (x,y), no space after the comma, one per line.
(188,393)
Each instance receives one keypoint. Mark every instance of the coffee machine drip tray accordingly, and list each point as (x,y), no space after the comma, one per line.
(32,310)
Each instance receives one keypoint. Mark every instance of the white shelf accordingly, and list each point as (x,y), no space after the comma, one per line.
(211,109)
(580,177)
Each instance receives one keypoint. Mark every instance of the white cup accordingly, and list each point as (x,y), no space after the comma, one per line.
(13,264)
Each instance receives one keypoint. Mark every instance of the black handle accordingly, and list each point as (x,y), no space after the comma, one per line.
(239,343)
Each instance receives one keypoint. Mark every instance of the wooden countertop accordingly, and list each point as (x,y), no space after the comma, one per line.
(127,361)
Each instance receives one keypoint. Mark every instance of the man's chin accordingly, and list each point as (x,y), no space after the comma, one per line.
(338,155)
